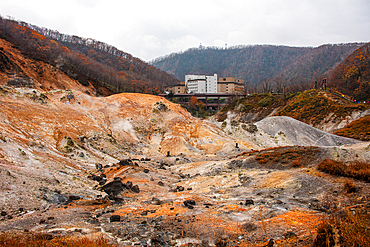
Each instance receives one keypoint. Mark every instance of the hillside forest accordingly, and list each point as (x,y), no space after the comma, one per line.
(281,69)
(85,60)
(352,76)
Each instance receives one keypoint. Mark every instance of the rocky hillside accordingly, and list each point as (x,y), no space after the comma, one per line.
(104,165)
(17,70)
(88,61)
(138,169)
(320,109)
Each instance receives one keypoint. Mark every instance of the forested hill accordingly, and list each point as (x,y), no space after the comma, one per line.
(86,60)
(352,76)
(257,63)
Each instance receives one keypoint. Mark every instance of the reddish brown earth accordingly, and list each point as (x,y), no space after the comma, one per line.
(176,180)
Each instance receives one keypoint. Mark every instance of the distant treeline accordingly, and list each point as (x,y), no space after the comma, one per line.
(264,68)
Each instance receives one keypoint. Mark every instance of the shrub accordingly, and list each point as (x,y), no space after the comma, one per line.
(358,129)
(348,228)
(247,107)
(355,169)
(325,235)
(295,163)
(10,239)
(286,156)
(265,101)
(314,106)
(349,187)
(251,128)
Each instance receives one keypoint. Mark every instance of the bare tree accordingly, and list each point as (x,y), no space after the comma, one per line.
(279,84)
(266,86)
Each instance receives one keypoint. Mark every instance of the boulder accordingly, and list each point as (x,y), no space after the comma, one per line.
(249,202)
(114,188)
(129,184)
(126,162)
(74,198)
(135,189)
(189,203)
(115,218)
(289,235)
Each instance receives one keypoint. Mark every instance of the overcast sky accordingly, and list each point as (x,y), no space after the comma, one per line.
(151,28)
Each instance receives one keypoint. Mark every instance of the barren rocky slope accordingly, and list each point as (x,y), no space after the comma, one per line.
(325,110)
(299,133)
(19,71)
(281,131)
(50,141)
(72,164)
(140,170)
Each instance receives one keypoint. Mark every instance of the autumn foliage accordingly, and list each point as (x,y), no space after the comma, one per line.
(358,129)
(195,103)
(40,239)
(358,170)
(262,104)
(313,107)
(264,68)
(349,226)
(285,157)
(350,229)
(352,76)
(86,60)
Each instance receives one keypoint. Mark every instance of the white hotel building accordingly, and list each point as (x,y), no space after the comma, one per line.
(201,83)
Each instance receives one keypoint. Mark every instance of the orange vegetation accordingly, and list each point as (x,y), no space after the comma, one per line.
(352,76)
(314,106)
(356,169)
(350,228)
(288,156)
(38,240)
(359,129)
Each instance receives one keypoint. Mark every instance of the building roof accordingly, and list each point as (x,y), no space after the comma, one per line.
(177,85)
(201,79)
(229,82)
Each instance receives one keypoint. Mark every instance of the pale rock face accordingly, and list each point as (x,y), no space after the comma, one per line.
(121,127)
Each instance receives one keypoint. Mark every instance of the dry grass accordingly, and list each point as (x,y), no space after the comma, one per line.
(314,106)
(46,240)
(349,187)
(356,169)
(263,104)
(349,228)
(285,157)
(295,163)
(359,129)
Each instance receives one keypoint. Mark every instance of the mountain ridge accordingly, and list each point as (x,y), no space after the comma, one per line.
(256,63)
